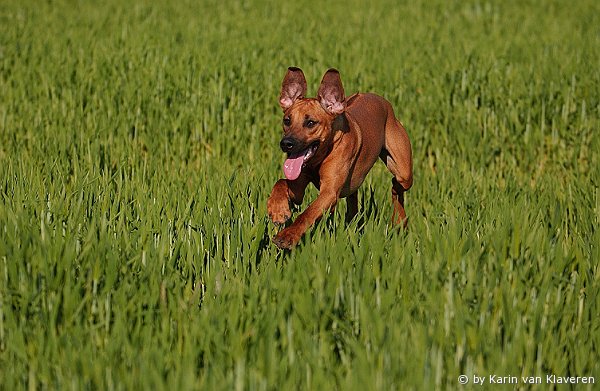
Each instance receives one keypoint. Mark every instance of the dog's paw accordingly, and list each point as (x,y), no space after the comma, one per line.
(280,218)
(286,239)
(278,214)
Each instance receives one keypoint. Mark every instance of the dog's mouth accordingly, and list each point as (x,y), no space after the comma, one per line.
(294,163)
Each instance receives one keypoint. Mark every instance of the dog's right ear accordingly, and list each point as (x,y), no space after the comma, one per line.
(292,88)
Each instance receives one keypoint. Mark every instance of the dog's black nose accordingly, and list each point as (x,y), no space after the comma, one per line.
(287,144)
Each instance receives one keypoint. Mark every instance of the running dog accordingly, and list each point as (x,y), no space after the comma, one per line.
(333,141)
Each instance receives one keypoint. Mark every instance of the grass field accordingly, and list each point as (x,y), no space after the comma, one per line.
(139,144)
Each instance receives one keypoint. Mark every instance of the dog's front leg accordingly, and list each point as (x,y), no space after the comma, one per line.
(289,237)
(284,191)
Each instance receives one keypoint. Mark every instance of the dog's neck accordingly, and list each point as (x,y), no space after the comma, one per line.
(340,123)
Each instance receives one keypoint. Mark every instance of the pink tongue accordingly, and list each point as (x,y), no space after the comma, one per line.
(293,166)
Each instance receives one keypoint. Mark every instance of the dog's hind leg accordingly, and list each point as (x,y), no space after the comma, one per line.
(351,206)
(397,156)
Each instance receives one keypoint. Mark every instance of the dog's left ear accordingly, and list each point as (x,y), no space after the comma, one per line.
(331,93)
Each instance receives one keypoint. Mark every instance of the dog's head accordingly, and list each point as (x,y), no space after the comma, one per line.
(307,122)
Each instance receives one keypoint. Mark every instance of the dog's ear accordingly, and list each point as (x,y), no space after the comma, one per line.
(292,88)
(331,93)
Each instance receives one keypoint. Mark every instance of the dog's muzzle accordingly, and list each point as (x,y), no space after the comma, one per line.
(287,144)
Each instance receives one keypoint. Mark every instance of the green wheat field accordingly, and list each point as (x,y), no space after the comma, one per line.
(139,144)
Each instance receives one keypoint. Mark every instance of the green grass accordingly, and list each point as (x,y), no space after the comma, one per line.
(138,146)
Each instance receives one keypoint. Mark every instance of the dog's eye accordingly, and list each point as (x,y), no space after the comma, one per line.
(310,123)
(287,121)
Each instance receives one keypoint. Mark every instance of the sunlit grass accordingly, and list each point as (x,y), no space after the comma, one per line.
(138,146)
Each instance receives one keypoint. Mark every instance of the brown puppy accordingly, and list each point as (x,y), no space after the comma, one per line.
(333,142)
